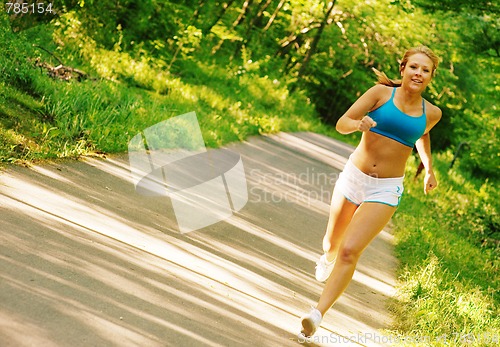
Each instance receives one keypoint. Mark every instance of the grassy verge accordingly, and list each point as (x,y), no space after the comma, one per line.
(75,118)
(448,246)
(44,118)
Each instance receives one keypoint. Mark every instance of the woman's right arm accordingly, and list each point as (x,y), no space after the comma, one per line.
(355,119)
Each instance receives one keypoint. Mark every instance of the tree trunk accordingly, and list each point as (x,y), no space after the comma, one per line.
(238,21)
(275,14)
(255,20)
(258,17)
(317,37)
(242,16)
(295,39)
(218,17)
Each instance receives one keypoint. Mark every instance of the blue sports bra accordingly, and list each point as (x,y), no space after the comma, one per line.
(397,125)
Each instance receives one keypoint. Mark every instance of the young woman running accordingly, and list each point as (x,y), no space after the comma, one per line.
(393,118)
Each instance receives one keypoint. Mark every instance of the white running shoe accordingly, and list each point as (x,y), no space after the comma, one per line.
(323,268)
(310,322)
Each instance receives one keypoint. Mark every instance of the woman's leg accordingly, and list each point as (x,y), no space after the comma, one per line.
(368,220)
(341,212)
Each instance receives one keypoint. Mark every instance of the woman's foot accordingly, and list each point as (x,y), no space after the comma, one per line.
(311,322)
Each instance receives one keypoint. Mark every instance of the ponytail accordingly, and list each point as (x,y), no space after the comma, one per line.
(386,81)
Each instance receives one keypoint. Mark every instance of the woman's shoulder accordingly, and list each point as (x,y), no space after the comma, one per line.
(380,94)
(434,114)
(381,89)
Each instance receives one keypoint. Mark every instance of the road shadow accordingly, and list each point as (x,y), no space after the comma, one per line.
(89,262)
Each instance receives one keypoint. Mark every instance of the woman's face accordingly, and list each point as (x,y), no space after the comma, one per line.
(417,72)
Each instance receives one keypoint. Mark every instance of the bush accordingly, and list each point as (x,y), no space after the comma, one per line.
(15,68)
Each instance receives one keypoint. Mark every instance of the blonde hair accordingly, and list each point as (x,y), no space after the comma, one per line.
(382,77)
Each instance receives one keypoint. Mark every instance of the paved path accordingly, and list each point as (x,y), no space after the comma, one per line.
(86,261)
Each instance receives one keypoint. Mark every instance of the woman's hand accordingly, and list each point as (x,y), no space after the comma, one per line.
(430,182)
(366,123)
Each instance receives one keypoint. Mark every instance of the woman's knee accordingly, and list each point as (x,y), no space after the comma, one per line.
(348,255)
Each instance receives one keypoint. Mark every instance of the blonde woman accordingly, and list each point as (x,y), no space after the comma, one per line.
(393,118)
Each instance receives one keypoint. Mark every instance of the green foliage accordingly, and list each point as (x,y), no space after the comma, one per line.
(140,42)
(449,242)
(134,91)
(14,67)
(459,5)
(445,311)
(26,133)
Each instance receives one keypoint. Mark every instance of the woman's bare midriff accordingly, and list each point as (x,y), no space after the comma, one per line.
(380,156)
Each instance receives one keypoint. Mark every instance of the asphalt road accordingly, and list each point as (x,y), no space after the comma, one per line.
(87,261)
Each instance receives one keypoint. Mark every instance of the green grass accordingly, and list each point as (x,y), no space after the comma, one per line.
(447,243)
(44,118)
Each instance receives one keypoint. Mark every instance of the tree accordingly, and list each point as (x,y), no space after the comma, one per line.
(241,17)
(274,15)
(217,17)
(317,37)
(483,25)
(487,6)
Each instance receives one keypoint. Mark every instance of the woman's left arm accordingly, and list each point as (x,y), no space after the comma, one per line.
(423,146)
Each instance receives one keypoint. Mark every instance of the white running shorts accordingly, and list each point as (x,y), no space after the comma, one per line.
(359,187)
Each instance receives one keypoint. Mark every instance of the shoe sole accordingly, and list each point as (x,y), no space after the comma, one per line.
(308,326)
